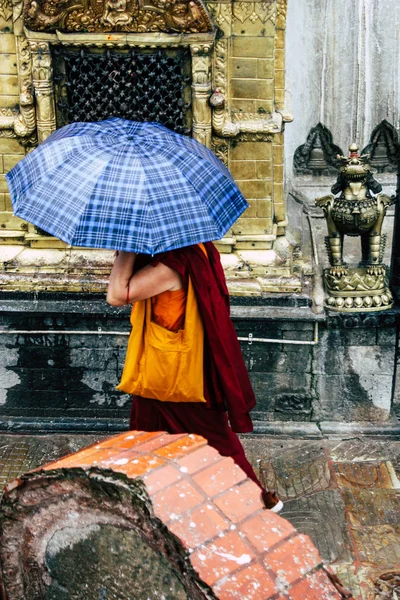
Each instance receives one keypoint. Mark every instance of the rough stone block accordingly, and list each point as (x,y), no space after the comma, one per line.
(350,398)
(3,184)
(10,160)
(277,152)
(9,84)
(245,106)
(386,336)
(263,170)
(45,357)
(243,169)
(279,58)
(252,88)
(279,79)
(94,358)
(265,68)
(8,64)
(267,386)
(293,403)
(9,101)
(252,151)
(264,208)
(244,67)
(265,106)
(23,399)
(251,226)
(255,188)
(50,379)
(7,43)
(253,47)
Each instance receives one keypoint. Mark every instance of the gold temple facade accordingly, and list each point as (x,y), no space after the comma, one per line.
(236,52)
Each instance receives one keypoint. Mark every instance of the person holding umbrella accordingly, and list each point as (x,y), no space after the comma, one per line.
(159,199)
(226,389)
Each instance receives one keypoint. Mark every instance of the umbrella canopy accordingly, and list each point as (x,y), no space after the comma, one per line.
(125,185)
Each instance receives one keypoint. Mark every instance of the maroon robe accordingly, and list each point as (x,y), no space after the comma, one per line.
(226,381)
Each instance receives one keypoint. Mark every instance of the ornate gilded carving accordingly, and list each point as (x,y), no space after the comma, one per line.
(201,90)
(249,124)
(221,14)
(25,122)
(254,11)
(220,71)
(7,118)
(42,77)
(22,123)
(383,148)
(281,10)
(220,147)
(89,16)
(319,155)
(359,210)
(6,10)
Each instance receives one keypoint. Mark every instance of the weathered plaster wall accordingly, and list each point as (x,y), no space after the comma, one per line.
(342,69)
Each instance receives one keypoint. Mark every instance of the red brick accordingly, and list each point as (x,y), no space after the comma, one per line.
(199,459)
(253,583)
(241,501)
(293,559)
(159,441)
(171,503)
(314,587)
(118,459)
(181,446)
(266,529)
(161,478)
(140,465)
(219,477)
(199,526)
(128,440)
(81,459)
(222,557)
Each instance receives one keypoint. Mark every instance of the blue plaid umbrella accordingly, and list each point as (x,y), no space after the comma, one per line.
(125,185)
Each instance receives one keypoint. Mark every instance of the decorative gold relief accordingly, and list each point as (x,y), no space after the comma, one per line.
(42,77)
(220,73)
(220,147)
(90,16)
(281,10)
(250,125)
(254,11)
(5,9)
(357,211)
(22,123)
(201,90)
(221,14)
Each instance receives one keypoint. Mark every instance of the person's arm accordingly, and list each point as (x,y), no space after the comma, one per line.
(125,288)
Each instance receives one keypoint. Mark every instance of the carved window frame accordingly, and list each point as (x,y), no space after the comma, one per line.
(200,45)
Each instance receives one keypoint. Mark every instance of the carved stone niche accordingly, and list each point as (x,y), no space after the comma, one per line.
(383,148)
(318,156)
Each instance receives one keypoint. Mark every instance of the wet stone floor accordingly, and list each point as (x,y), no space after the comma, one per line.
(344,494)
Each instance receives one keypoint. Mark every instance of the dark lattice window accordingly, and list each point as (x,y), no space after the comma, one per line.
(94,84)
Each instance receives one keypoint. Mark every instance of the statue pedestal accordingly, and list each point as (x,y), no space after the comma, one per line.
(357,290)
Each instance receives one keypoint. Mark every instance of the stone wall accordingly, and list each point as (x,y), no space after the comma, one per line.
(345,375)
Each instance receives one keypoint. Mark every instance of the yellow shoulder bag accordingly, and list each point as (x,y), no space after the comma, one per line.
(163,364)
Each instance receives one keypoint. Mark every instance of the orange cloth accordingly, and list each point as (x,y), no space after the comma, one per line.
(168,308)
